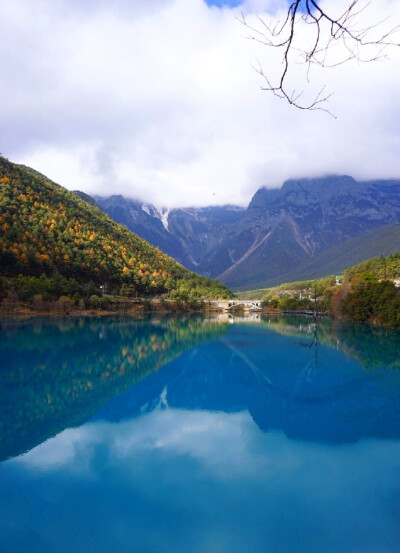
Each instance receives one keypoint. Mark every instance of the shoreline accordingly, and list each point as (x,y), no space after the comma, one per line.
(131,309)
(148,307)
(141,308)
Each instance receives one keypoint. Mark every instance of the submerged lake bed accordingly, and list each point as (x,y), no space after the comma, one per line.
(196,435)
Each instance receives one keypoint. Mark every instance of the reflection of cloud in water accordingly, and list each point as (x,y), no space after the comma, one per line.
(194,433)
(193,481)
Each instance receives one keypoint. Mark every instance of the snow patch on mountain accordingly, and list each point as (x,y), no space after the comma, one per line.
(164,217)
(157,213)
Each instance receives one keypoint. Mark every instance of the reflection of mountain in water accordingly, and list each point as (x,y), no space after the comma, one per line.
(58,374)
(277,378)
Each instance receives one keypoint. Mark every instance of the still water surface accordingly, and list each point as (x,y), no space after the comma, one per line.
(194,436)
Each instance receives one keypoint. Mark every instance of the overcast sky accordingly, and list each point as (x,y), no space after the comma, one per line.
(158,100)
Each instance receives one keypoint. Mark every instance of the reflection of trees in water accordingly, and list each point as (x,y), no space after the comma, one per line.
(371,346)
(58,373)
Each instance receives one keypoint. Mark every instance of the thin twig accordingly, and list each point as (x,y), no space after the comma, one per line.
(330,31)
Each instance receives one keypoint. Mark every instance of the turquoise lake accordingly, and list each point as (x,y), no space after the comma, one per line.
(167,435)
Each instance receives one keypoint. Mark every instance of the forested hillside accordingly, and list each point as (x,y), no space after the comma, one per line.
(372,294)
(380,267)
(45,229)
(365,293)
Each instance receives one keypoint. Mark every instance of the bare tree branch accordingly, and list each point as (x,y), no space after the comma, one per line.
(329,35)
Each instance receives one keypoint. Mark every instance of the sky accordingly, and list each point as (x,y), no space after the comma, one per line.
(160,101)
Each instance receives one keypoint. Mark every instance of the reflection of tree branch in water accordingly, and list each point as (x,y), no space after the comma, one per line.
(315,341)
(311,367)
(308,370)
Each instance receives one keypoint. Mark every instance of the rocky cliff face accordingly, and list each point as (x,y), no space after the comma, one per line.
(200,230)
(280,229)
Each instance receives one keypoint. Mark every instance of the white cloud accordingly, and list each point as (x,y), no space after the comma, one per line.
(159,101)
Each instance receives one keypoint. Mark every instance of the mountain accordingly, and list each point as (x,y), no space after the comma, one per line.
(280,231)
(199,230)
(47,229)
(383,241)
(188,234)
(283,228)
(147,221)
